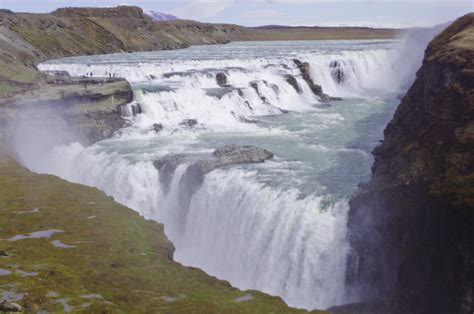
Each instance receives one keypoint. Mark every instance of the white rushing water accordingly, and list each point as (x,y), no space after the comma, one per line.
(279,226)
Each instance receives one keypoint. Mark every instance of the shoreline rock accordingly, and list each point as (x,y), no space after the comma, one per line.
(93,107)
(221,79)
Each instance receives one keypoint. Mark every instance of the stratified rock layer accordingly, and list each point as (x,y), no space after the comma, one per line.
(412,225)
(92,107)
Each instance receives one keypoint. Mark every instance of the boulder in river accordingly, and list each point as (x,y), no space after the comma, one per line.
(189,122)
(221,79)
(202,164)
(158,127)
(254,85)
(337,72)
(235,154)
(224,156)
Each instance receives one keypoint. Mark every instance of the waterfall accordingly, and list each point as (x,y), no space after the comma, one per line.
(174,91)
(275,226)
(234,227)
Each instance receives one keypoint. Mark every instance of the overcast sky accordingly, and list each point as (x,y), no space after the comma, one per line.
(376,13)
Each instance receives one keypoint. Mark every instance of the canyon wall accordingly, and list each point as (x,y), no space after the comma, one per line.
(411,226)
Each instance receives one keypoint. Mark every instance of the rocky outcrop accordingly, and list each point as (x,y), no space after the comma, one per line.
(221,79)
(93,107)
(290,79)
(223,156)
(337,72)
(304,68)
(202,164)
(235,154)
(411,226)
(189,123)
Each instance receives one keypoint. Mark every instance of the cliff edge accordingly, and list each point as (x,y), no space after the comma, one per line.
(412,226)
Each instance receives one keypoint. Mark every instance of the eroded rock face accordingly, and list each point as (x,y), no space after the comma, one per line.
(337,72)
(411,226)
(189,123)
(304,68)
(254,86)
(235,154)
(290,79)
(167,166)
(92,107)
(157,127)
(202,164)
(229,155)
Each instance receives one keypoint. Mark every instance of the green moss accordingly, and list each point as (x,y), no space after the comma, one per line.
(117,254)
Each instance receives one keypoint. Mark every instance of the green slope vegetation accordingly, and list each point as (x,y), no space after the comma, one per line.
(104,257)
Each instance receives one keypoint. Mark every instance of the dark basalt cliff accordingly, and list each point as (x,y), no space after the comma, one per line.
(412,225)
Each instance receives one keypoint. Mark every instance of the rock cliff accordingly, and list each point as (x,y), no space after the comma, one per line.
(412,226)
(92,107)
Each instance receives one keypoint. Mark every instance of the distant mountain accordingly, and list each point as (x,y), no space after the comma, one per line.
(157,16)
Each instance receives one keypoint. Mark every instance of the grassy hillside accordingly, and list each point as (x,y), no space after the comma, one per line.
(104,257)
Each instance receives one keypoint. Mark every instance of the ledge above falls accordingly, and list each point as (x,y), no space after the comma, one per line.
(92,107)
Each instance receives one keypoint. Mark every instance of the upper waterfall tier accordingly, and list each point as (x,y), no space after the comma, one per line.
(224,91)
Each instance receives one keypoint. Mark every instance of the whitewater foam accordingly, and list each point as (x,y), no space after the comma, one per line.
(256,87)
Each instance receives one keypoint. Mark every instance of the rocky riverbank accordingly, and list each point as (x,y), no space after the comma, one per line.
(92,107)
(412,224)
